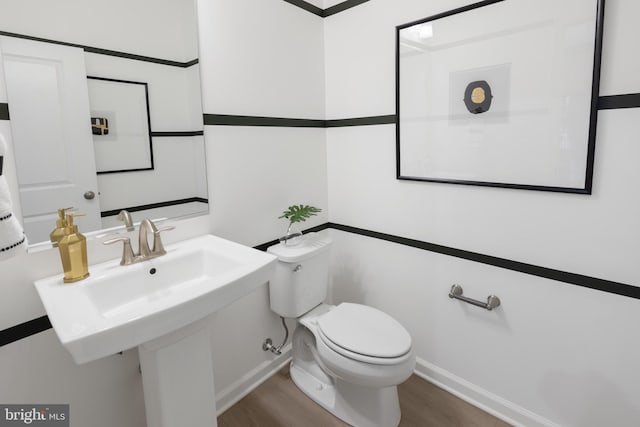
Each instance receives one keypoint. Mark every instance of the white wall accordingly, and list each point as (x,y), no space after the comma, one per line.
(268,59)
(257,58)
(556,353)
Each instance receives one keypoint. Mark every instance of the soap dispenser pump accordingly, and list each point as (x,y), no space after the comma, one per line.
(58,233)
(73,252)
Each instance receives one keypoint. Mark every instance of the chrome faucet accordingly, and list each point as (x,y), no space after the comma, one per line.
(144,251)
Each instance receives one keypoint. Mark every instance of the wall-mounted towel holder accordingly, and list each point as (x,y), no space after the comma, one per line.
(492,300)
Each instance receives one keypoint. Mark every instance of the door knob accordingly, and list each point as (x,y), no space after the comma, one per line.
(89,195)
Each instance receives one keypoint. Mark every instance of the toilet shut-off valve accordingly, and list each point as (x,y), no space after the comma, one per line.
(267,345)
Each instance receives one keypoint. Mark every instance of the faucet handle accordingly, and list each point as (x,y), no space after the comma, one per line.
(127,250)
(158,247)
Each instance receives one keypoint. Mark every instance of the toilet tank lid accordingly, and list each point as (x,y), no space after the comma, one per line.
(311,244)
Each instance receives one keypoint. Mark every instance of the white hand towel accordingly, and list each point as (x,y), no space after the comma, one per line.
(12,238)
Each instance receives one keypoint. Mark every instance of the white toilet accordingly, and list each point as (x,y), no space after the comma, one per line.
(348,358)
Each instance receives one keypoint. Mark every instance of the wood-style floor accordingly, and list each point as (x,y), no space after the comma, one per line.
(279,403)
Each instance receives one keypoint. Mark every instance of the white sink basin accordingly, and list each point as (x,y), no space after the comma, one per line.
(121,307)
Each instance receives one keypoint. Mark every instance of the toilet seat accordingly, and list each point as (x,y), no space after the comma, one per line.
(349,366)
(365,334)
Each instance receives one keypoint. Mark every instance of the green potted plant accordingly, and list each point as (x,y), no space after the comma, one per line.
(296,214)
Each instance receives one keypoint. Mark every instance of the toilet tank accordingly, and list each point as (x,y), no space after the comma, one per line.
(302,275)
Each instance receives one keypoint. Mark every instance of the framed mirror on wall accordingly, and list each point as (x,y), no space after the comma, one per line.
(104,118)
(501,94)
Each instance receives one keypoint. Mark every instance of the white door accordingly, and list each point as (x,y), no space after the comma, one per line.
(50,124)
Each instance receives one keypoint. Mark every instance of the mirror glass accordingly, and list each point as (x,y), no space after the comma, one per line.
(105,110)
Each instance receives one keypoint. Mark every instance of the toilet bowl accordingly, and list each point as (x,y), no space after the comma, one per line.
(348,358)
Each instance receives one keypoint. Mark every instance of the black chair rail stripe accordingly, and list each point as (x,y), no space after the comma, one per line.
(185,133)
(604,285)
(113,212)
(235,120)
(24,330)
(631,100)
(40,324)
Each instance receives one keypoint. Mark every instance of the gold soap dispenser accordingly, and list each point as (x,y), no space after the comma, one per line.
(73,252)
(61,223)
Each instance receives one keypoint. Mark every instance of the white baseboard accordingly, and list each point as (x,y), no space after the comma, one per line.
(252,379)
(479,397)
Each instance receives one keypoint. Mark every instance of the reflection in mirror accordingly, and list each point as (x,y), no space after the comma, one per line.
(105,110)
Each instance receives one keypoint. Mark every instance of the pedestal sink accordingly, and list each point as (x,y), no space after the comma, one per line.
(160,307)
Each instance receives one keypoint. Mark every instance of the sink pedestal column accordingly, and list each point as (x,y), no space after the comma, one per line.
(177,378)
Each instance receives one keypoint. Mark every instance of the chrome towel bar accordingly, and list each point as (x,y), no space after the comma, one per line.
(492,300)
